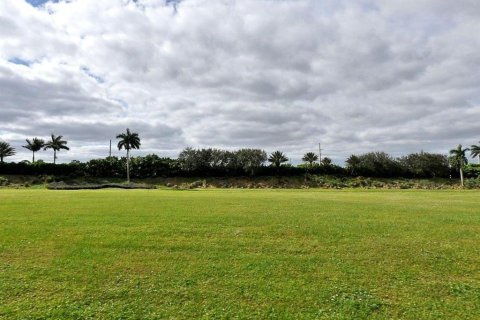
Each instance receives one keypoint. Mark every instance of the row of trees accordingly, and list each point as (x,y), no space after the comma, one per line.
(211,162)
(56,144)
(216,161)
(416,165)
(127,141)
(252,161)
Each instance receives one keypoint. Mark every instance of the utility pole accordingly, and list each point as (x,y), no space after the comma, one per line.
(110,153)
(319,153)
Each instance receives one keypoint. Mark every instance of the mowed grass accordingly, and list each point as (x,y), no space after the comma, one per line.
(239,254)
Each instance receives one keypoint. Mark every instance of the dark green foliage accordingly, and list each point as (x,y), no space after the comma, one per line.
(326,161)
(128,141)
(6,150)
(473,183)
(475,151)
(416,165)
(108,167)
(42,168)
(378,164)
(56,144)
(93,186)
(426,165)
(458,159)
(205,159)
(472,170)
(153,166)
(250,160)
(35,145)
(277,158)
(315,168)
(221,162)
(140,167)
(353,162)
(310,158)
(4,182)
(224,163)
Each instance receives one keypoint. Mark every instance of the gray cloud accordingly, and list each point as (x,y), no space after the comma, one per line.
(394,75)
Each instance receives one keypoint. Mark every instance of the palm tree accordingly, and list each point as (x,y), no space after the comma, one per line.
(310,157)
(352,163)
(458,159)
(34,146)
(326,161)
(56,144)
(277,158)
(128,140)
(6,150)
(475,151)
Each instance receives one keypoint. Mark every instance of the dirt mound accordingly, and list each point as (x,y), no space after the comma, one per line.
(63,186)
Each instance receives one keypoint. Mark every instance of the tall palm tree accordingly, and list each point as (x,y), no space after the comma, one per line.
(6,150)
(310,157)
(475,151)
(56,144)
(128,141)
(277,158)
(458,159)
(34,146)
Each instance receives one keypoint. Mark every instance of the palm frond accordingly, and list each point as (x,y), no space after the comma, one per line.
(128,140)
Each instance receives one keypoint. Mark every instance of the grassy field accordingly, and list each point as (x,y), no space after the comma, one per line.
(246,254)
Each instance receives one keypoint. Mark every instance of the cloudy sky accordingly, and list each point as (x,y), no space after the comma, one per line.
(357,75)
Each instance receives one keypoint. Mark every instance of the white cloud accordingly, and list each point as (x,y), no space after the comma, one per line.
(357,75)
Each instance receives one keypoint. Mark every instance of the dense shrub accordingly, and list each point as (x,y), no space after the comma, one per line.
(213,162)
(472,183)
(4,181)
(472,171)
(378,164)
(425,165)
(416,165)
(40,168)
(244,162)
(149,166)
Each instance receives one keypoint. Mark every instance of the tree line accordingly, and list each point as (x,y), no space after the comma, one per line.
(252,162)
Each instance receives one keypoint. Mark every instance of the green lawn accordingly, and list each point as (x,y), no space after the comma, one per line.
(239,254)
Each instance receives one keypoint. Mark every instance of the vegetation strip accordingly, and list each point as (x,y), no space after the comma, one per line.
(63,186)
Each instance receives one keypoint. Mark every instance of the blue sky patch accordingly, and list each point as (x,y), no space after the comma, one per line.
(20,61)
(92,75)
(38,3)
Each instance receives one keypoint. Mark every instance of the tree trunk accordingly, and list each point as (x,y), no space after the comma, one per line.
(128,165)
(1,159)
(33,157)
(461,176)
(54,156)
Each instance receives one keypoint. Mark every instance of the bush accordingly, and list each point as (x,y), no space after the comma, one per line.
(41,168)
(425,165)
(198,184)
(472,171)
(4,181)
(378,164)
(472,183)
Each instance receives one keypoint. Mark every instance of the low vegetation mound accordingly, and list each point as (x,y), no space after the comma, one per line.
(90,186)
